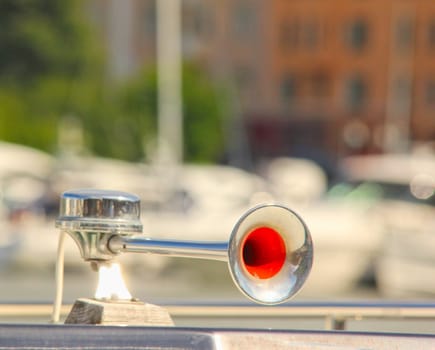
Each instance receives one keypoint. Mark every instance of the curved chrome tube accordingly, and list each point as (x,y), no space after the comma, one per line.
(187,249)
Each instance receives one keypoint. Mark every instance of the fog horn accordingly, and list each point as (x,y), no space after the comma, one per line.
(269,252)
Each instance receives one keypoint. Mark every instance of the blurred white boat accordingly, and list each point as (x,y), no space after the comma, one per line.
(191,202)
(15,158)
(24,176)
(404,186)
(203,202)
(10,244)
(295,180)
(346,234)
(346,239)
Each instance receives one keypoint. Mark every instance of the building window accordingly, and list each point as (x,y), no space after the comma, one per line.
(295,33)
(244,21)
(289,37)
(197,20)
(404,35)
(203,23)
(355,94)
(288,89)
(400,95)
(320,84)
(431,35)
(244,77)
(150,19)
(430,93)
(310,34)
(356,35)
(401,92)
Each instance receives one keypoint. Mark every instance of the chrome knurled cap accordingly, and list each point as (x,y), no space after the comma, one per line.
(99,210)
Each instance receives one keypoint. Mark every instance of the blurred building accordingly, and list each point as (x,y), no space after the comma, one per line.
(310,78)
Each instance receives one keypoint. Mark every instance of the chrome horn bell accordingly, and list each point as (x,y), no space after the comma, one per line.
(270,253)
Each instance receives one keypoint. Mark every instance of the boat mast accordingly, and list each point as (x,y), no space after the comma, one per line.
(170,116)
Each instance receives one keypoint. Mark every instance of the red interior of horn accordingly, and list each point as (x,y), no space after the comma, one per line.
(263,252)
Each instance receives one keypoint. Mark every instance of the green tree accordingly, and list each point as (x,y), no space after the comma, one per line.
(50,66)
(203,117)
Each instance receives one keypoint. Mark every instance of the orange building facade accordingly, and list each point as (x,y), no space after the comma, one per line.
(363,69)
(325,78)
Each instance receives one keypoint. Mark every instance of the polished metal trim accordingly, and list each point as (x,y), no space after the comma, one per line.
(99,210)
(189,249)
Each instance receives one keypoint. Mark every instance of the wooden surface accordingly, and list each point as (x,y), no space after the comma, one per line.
(91,311)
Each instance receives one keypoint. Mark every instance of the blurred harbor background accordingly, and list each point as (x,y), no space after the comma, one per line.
(205,109)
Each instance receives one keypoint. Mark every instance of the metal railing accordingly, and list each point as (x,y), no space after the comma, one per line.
(334,315)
